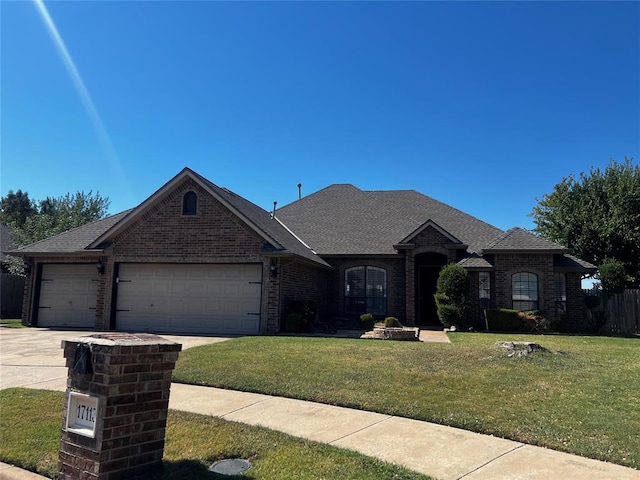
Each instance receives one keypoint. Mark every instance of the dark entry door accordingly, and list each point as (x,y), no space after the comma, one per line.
(427,280)
(427,269)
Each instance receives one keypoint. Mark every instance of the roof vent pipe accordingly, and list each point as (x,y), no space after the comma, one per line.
(273,215)
(299,191)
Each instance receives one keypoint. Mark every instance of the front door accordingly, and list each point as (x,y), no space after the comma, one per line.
(427,269)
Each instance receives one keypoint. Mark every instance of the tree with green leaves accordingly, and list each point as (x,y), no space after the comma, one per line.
(15,208)
(57,215)
(597,215)
(32,221)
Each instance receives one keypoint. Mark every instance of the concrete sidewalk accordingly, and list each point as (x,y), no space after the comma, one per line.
(441,452)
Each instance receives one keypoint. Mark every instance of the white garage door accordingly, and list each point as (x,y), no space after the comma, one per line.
(68,296)
(215,299)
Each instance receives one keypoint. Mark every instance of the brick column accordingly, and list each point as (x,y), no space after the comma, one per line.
(128,379)
(410,293)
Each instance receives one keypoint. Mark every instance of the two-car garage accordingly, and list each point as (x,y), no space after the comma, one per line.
(184,298)
(171,298)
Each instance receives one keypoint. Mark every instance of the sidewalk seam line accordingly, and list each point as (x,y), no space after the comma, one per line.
(360,429)
(245,406)
(491,461)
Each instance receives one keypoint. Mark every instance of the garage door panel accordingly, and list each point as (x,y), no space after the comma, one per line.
(67,296)
(189,298)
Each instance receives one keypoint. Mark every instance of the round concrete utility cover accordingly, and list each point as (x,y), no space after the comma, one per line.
(230,466)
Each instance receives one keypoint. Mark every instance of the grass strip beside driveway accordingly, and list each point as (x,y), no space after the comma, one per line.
(30,437)
(582,398)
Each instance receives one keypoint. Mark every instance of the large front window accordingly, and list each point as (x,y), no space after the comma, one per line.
(524,288)
(365,290)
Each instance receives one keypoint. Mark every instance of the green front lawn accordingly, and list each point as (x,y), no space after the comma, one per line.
(31,420)
(11,323)
(583,398)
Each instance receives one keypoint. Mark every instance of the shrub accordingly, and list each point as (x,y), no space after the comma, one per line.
(507,320)
(392,322)
(367,320)
(533,321)
(306,311)
(449,315)
(292,323)
(503,320)
(451,295)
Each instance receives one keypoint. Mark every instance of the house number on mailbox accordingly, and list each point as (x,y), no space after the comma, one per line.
(82,414)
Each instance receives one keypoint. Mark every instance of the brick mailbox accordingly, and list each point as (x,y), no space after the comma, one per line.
(116,405)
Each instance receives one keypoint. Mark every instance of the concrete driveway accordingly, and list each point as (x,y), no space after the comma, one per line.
(32,357)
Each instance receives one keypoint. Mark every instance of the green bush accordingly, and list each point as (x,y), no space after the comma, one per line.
(367,320)
(392,322)
(306,310)
(503,320)
(506,320)
(292,323)
(451,295)
(449,314)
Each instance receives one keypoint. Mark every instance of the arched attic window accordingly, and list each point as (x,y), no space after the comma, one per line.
(190,203)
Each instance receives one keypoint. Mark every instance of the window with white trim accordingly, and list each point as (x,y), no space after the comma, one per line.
(365,290)
(524,291)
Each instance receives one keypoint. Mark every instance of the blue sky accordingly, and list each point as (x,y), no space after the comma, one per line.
(482,105)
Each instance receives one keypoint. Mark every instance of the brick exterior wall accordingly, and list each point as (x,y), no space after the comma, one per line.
(575,303)
(432,241)
(539,264)
(214,235)
(301,281)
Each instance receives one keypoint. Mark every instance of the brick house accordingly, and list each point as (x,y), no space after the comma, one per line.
(197,258)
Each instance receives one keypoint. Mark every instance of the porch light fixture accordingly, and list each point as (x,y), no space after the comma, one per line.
(273,268)
(100,267)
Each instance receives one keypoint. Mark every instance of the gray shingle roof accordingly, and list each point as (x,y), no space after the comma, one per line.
(263,221)
(344,220)
(74,240)
(518,239)
(476,262)
(87,237)
(571,263)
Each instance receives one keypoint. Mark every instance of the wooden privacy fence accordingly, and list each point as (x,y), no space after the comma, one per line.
(622,312)
(11,294)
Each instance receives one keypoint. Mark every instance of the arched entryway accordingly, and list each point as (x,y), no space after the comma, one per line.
(427,269)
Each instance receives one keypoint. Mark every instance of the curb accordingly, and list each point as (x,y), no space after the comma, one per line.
(11,472)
